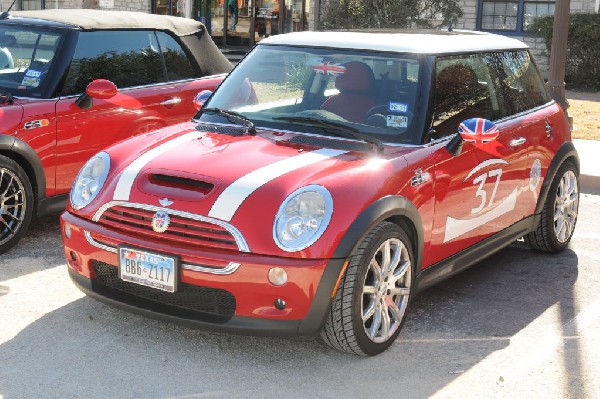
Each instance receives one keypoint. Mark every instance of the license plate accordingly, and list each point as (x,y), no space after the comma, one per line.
(148,268)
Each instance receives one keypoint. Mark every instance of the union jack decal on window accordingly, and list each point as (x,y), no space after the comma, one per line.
(329,68)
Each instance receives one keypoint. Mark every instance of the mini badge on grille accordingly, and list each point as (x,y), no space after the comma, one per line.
(165,202)
(160,221)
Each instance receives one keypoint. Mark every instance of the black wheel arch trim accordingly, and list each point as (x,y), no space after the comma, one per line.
(12,144)
(567,150)
(383,209)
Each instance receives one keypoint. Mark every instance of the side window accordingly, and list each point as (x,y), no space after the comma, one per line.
(176,61)
(520,83)
(464,88)
(127,58)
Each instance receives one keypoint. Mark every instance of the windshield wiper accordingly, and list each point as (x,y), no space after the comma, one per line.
(336,128)
(6,97)
(233,117)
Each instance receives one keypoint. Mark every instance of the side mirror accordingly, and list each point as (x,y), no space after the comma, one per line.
(101,89)
(200,99)
(475,130)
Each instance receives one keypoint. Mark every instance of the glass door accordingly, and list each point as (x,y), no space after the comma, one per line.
(296,15)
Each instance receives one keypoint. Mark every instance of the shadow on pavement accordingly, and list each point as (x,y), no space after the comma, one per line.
(87,349)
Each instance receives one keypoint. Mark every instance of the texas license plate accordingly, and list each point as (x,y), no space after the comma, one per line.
(148,268)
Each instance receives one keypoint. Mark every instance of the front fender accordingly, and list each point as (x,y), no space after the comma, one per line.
(29,161)
(394,208)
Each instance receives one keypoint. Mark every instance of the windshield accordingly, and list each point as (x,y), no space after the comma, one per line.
(26,55)
(288,88)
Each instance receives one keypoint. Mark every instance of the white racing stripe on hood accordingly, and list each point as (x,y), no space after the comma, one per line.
(123,189)
(232,197)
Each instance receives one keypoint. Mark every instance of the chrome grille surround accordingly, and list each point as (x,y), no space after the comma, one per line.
(239,239)
(229,269)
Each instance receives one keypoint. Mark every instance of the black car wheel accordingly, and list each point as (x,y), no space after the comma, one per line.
(368,310)
(559,214)
(16,203)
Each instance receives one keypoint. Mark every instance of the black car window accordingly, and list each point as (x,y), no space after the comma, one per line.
(519,81)
(26,57)
(176,61)
(464,88)
(127,58)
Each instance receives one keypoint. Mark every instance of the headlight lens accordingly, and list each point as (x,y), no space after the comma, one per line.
(90,180)
(302,218)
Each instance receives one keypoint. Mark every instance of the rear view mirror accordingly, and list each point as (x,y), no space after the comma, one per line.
(101,89)
(200,99)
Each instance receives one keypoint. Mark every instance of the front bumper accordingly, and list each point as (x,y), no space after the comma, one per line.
(307,293)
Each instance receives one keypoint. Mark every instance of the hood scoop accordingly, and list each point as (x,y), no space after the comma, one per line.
(176,187)
(329,143)
(228,130)
(183,183)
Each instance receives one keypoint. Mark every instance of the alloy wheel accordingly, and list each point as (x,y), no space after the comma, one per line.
(386,290)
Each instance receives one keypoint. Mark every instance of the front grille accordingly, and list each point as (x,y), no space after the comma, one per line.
(190,301)
(181,230)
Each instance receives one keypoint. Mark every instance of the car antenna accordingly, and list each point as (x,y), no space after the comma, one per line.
(4,15)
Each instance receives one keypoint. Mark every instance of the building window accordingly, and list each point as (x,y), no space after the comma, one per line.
(511,15)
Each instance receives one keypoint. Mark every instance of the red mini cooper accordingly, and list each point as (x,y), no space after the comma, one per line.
(59,104)
(329,178)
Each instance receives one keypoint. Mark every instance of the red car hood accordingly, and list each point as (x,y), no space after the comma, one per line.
(244,180)
(213,174)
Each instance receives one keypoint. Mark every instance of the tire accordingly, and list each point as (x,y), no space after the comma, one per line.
(559,214)
(16,203)
(366,289)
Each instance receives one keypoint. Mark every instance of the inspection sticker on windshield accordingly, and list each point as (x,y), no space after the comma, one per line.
(397,121)
(31,78)
(397,107)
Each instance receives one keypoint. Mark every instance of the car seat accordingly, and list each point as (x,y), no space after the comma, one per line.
(355,95)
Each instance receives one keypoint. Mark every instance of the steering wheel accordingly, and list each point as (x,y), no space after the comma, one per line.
(376,116)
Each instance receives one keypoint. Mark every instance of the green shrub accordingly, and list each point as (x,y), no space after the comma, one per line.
(356,14)
(583,48)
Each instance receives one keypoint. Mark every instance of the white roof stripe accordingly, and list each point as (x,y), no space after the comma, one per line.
(422,42)
(233,196)
(125,183)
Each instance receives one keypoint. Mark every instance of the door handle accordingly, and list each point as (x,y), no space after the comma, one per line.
(517,142)
(171,101)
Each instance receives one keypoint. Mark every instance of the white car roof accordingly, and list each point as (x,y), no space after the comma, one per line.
(416,41)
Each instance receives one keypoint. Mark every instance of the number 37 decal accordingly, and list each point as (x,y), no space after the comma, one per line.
(485,211)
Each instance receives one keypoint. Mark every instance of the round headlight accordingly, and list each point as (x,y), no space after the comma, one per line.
(302,218)
(90,180)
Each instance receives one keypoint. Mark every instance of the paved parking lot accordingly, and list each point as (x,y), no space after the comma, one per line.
(520,324)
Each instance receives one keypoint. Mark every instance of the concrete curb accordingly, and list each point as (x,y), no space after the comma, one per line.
(589,156)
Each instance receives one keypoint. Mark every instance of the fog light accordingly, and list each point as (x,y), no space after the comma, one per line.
(277,276)
(279,304)
(67,230)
